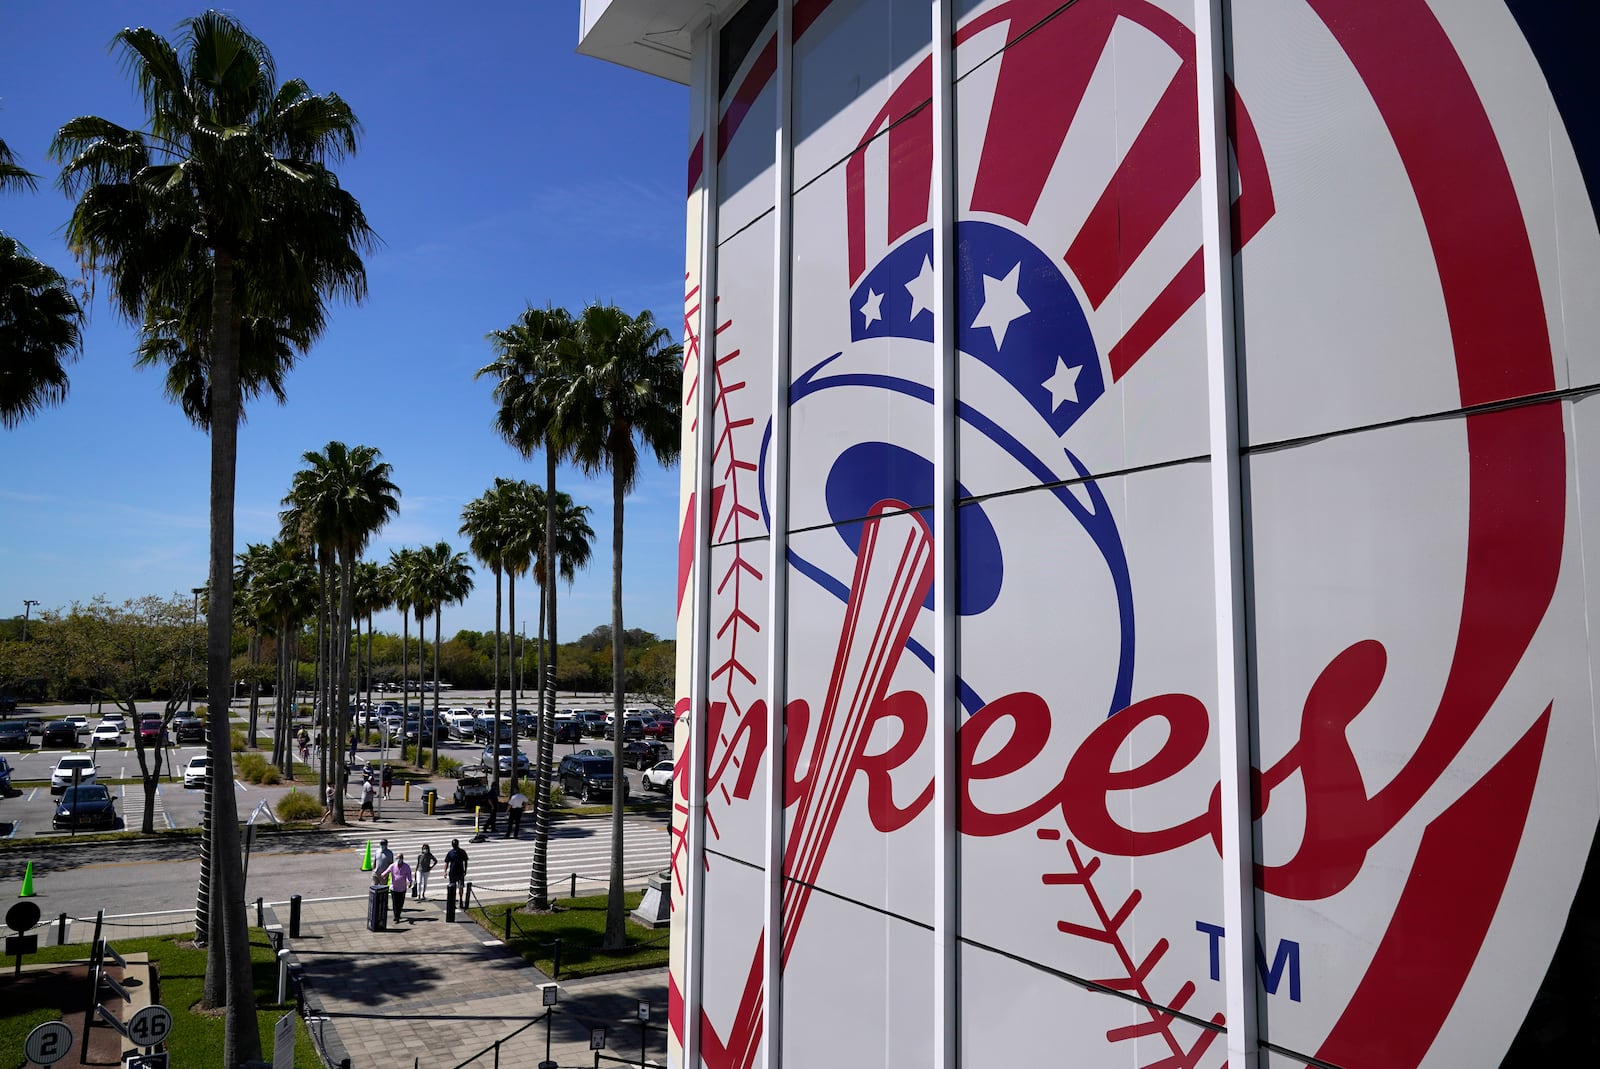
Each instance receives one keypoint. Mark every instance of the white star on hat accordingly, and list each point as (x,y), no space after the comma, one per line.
(921,289)
(1001,305)
(1063,384)
(870,312)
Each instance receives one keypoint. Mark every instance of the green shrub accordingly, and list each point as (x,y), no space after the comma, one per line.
(448,766)
(270,775)
(252,767)
(297,805)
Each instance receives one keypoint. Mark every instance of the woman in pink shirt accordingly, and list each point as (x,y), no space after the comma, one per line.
(399,883)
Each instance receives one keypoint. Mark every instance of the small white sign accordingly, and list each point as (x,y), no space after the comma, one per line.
(283,1042)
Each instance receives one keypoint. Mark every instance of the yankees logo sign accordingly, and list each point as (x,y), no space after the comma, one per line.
(1414,240)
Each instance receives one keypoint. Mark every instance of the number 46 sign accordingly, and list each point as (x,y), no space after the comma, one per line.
(150,1026)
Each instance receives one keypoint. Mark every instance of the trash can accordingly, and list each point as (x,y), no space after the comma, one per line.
(378,908)
(430,800)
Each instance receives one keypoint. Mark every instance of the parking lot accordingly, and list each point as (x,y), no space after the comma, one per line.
(28,809)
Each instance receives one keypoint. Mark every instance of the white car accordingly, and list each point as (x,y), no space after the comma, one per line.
(197,771)
(79,722)
(659,778)
(72,765)
(106,735)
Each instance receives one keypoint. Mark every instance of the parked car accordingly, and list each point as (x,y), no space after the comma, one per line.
(458,724)
(641,753)
(658,778)
(152,731)
(34,724)
(59,733)
(657,726)
(88,805)
(567,731)
(70,767)
(13,734)
(501,756)
(5,776)
(593,751)
(106,735)
(632,728)
(188,729)
(593,722)
(588,778)
(527,723)
(117,719)
(483,728)
(197,771)
(79,722)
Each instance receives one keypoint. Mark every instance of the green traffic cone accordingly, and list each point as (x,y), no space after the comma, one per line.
(27,882)
(366,862)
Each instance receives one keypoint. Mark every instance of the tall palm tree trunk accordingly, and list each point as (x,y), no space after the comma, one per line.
(615,917)
(539,875)
(340,719)
(433,736)
(497,640)
(511,678)
(228,957)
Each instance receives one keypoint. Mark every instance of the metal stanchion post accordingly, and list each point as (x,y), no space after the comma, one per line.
(294,916)
(450,902)
(283,977)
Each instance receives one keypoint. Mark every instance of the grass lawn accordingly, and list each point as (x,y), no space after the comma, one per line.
(580,924)
(196,1039)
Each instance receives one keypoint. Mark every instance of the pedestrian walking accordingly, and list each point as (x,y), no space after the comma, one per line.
(455,866)
(385,858)
(514,807)
(327,813)
(352,747)
(388,781)
(368,794)
(399,884)
(424,865)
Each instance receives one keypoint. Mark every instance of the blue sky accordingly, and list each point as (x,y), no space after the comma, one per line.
(498,167)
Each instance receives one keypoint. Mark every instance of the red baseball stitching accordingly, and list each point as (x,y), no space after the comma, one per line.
(727,466)
(1135,974)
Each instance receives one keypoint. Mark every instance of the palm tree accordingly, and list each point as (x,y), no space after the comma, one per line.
(447,578)
(627,394)
(283,592)
(483,523)
(536,360)
(400,578)
(340,500)
(524,524)
(371,596)
(573,540)
(40,320)
(232,170)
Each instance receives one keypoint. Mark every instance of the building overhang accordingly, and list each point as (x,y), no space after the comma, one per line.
(648,35)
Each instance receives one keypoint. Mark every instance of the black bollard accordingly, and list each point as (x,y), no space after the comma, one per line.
(261,917)
(555,960)
(294,916)
(61,930)
(450,903)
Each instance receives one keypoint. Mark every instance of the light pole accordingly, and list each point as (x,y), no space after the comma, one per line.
(194,622)
(27,607)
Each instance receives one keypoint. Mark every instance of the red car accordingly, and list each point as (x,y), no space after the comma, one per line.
(656,727)
(153,731)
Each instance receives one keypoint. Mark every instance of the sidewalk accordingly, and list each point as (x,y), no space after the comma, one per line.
(439,993)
